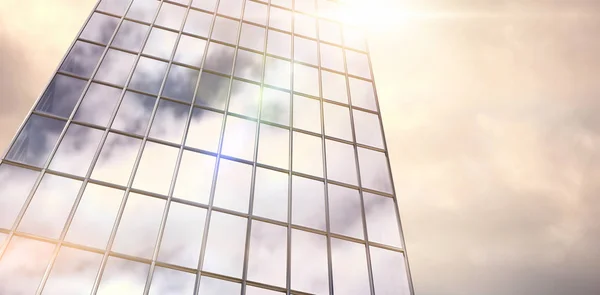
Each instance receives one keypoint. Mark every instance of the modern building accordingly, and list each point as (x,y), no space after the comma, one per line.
(204,147)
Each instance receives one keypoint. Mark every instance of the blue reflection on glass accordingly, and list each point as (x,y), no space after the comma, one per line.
(61,96)
(34,143)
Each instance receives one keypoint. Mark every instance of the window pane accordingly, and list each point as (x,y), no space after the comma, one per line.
(182,237)
(252,37)
(276,106)
(98,104)
(15,185)
(209,5)
(156,168)
(279,44)
(305,50)
(307,114)
(308,203)
(23,265)
(334,87)
(116,159)
(194,178)
(169,121)
(332,57)
(225,30)
(345,211)
(219,58)
(148,75)
(170,281)
(382,224)
(130,36)
(337,121)
(139,226)
(170,16)
(267,259)
(389,272)
(117,7)
(354,38)
(160,43)
(271,194)
(82,59)
(190,51)
(277,72)
(255,12)
(205,130)
(309,263)
(283,3)
(374,172)
(233,186)
(134,113)
(100,28)
(61,96)
(212,91)
(225,245)
(231,8)
(212,286)
(36,140)
(74,272)
(123,277)
(239,138)
(330,31)
(115,67)
(143,10)
(304,24)
(280,19)
(306,80)
(350,274)
(48,211)
(308,154)
(273,146)
(76,150)
(181,83)
(368,129)
(198,22)
(305,6)
(362,93)
(95,216)
(358,64)
(244,98)
(249,65)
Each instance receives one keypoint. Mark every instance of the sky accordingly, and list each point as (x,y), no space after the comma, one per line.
(489,108)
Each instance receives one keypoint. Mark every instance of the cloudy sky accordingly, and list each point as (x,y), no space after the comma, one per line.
(490,110)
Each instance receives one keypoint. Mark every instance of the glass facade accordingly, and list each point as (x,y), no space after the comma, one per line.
(204,147)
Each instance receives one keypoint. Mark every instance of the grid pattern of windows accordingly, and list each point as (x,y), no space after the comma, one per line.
(204,147)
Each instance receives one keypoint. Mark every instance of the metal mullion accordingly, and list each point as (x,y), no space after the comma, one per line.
(298,130)
(255,156)
(21,165)
(51,116)
(290,162)
(189,203)
(148,194)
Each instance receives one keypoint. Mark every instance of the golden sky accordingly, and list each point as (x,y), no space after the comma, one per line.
(491,114)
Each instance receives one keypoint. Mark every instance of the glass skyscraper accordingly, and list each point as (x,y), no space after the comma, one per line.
(204,147)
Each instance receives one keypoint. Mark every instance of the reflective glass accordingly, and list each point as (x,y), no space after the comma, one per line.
(280,19)
(205,130)
(98,104)
(225,30)
(36,140)
(307,114)
(123,277)
(354,38)
(50,206)
(255,12)
(61,96)
(198,22)
(350,274)
(389,272)
(249,65)
(382,225)
(15,185)
(82,59)
(341,165)
(115,67)
(139,226)
(332,57)
(134,113)
(182,235)
(160,43)
(305,25)
(374,172)
(334,87)
(330,31)
(358,64)
(244,98)
(116,159)
(306,79)
(305,6)
(308,154)
(279,44)
(143,10)
(2,238)
(305,50)
(283,3)
(171,282)
(275,106)
(23,265)
(76,150)
(190,51)
(181,83)
(209,5)
(212,91)
(169,122)
(219,58)
(156,168)
(277,72)
(337,121)
(328,9)
(130,36)
(148,75)
(273,146)
(225,244)
(231,8)
(100,28)
(268,252)
(233,186)
(117,7)
(170,16)
(362,93)
(309,263)
(212,286)
(239,138)
(96,213)
(74,272)
(368,129)
(270,194)
(345,213)
(194,178)
(308,203)
(252,37)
